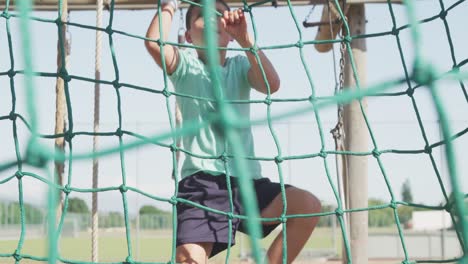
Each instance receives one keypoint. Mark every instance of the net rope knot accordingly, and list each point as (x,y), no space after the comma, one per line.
(230,215)
(443,14)
(123,188)
(300,44)
(395,31)
(166,93)
(12,116)
(5,15)
(223,157)
(347,39)
(376,153)
(323,154)
(34,158)
(393,204)
(423,73)
(339,212)
(17,256)
(268,101)
(67,189)
(19,175)
(119,132)
(109,30)
(11,73)
(173,147)
(129,260)
(283,219)
(63,73)
(173,200)
(428,149)
(278,159)
(116,84)
(69,136)
(410,92)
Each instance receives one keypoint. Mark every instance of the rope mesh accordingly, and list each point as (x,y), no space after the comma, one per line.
(421,76)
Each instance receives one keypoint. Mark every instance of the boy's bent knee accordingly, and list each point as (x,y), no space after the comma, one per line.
(303,202)
(194,253)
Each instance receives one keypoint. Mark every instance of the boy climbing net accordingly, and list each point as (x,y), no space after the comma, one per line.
(210,182)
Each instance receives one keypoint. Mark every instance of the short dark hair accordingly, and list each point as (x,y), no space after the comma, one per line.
(188,16)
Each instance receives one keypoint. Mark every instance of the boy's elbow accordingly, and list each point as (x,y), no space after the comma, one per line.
(152,46)
(274,85)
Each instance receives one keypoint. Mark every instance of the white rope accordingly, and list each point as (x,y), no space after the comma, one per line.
(338,132)
(95,218)
(178,114)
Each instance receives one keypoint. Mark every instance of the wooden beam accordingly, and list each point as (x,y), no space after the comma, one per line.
(52,5)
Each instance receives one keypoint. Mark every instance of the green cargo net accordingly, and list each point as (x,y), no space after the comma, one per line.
(421,76)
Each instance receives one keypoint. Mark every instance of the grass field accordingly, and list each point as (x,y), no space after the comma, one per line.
(152,246)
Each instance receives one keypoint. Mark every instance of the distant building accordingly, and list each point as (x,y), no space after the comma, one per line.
(431,220)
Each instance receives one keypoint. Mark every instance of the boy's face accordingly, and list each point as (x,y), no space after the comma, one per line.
(195,34)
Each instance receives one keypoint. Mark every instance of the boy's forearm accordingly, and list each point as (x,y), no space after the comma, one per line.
(257,80)
(154,33)
(167,13)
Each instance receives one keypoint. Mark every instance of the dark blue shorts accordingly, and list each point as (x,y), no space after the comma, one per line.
(195,225)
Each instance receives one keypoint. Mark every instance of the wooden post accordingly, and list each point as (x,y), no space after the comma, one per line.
(61,109)
(97,100)
(356,140)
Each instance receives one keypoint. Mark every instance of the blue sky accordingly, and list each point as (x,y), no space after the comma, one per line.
(392,119)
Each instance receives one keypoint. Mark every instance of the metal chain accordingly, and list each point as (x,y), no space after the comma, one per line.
(311,11)
(341,76)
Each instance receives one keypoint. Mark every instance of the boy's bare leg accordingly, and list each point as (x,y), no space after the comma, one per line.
(298,230)
(193,253)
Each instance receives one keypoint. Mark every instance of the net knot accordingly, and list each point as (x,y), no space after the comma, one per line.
(423,73)
(428,149)
(393,204)
(267,101)
(339,212)
(64,75)
(312,99)
(443,14)
(410,92)
(283,219)
(166,93)
(395,31)
(278,159)
(253,49)
(17,256)
(116,84)
(11,73)
(230,215)
(109,30)
(123,188)
(67,189)
(35,158)
(19,175)
(5,15)
(119,132)
(12,116)
(69,136)
(129,260)
(300,44)
(58,22)
(173,147)
(347,39)
(173,200)
(223,157)
(376,153)
(323,154)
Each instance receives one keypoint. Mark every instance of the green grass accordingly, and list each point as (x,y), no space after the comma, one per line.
(152,246)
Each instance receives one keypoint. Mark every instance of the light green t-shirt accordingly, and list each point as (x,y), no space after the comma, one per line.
(191,77)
